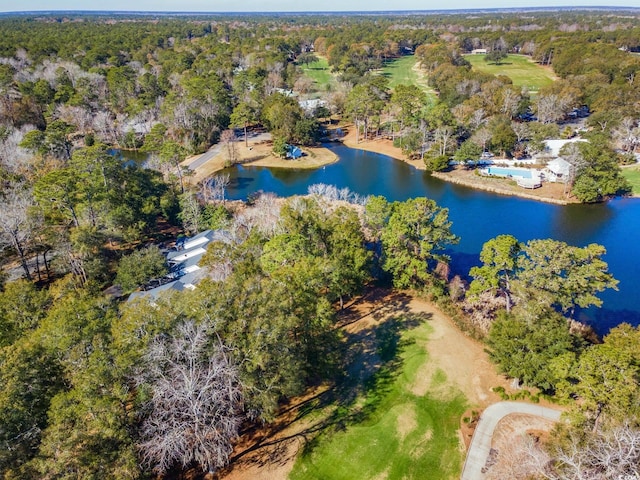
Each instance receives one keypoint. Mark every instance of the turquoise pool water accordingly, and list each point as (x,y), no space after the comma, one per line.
(509,172)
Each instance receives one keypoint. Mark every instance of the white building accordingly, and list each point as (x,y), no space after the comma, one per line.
(309,106)
(553,147)
(184,264)
(557,170)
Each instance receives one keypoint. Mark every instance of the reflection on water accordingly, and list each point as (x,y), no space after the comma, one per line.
(130,156)
(578,223)
(478,216)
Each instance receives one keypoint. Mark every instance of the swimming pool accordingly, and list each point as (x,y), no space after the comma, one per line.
(509,172)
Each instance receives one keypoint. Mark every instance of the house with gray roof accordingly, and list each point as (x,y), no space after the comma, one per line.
(184,264)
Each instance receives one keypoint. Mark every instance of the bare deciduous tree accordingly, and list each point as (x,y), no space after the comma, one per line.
(551,108)
(190,212)
(627,134)
(303,84)
(103,125)
(443,139)
(79,116)
(613,454)
(263,215)
(196,401)
(15,225)
(510,102)
(228,141)
(572,154)
(214,188)
(12,157)
(482,137)
(521,130)
(524,458)
(482,311)
(478,118)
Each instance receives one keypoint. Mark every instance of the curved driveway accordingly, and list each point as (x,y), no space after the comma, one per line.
(481,441)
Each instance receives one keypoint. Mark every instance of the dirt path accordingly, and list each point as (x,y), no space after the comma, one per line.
(270,453)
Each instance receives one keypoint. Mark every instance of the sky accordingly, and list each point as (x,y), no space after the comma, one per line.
(292,5)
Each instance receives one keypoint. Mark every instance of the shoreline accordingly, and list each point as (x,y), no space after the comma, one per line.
(257,154)
(549,193)
(499,189)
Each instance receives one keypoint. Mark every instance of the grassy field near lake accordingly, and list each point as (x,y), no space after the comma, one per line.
(519,68)
(404,70)
(403,422)
(632,174)
(319,72)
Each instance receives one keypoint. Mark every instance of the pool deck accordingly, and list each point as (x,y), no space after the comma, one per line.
(531,181)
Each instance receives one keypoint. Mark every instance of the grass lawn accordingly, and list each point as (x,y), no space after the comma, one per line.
(519,68)
(319,72)
(632,174)
(390,429)
(401,71)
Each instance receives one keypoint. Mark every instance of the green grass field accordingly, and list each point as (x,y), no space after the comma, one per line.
(632,174)
(388,431)
(519,68)
(401,71)
(319,72)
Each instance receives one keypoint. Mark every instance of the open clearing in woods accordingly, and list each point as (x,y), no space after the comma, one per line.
(405,70)
(409,375)
(320,73)
(523,71)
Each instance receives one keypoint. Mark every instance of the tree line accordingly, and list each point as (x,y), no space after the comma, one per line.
(113,81)
(92,385)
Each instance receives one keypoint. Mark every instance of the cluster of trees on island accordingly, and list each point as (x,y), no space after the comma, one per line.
(93,387)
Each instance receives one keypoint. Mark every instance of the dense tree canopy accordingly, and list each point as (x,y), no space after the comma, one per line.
(94,388)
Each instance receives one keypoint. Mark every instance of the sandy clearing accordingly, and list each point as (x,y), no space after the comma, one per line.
(461,358)
(379,145)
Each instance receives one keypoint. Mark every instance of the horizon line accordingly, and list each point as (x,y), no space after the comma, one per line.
(318,12)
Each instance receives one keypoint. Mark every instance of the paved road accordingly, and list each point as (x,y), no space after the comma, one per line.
(205,157)
(481,441)
(215,149)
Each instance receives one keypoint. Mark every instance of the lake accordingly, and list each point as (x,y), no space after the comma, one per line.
(478,216)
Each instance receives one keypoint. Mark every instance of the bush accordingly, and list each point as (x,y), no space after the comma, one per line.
(437,163)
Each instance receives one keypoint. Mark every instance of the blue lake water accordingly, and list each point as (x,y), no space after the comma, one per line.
(478,216)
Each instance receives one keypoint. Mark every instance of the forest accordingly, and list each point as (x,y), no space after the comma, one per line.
(94,386)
